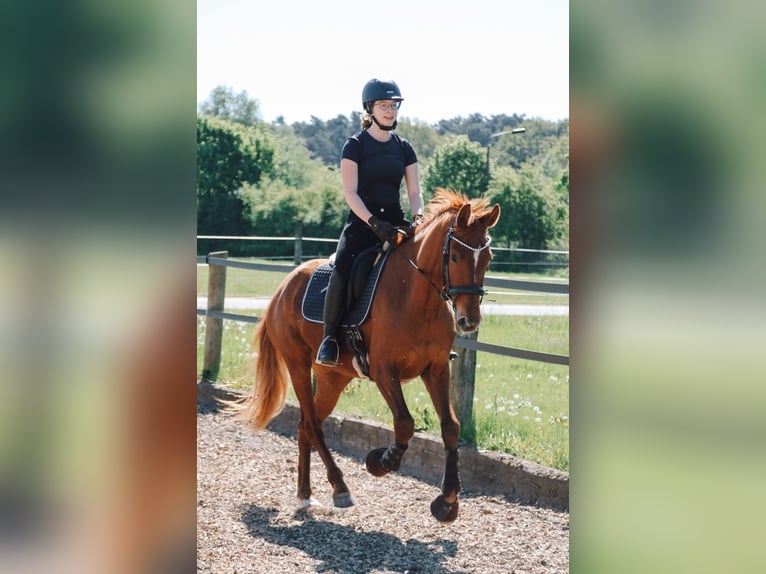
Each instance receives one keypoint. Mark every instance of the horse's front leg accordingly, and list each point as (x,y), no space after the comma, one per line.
(381,461)
(445,507)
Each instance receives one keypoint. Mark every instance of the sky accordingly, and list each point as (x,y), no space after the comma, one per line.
(450,58)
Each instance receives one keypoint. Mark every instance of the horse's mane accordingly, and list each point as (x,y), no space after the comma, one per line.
(450,201)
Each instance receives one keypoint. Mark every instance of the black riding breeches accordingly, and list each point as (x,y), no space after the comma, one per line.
(355,238)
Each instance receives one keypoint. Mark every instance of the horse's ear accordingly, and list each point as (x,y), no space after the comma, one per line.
(491,218)
(463,215)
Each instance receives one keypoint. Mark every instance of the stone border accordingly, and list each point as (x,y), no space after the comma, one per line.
(486,472)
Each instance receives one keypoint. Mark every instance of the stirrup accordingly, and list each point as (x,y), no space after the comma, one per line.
(325,360)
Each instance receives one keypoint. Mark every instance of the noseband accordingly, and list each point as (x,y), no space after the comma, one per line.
(448,292)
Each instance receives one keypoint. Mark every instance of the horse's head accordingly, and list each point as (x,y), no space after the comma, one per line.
(466,256)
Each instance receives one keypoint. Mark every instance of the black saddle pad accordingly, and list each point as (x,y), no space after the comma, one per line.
(313,299)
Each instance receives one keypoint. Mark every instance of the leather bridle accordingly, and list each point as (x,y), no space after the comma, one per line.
(448,292)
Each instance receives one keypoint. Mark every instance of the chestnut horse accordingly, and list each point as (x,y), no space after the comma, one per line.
(429,289)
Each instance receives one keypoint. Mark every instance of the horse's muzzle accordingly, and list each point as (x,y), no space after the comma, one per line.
(467,325)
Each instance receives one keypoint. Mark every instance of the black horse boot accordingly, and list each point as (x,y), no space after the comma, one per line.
(333,308)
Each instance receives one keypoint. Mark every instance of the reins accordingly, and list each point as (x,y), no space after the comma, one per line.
(440,292)
(447,291)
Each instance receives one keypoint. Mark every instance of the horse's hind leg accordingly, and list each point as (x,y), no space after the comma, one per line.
(304,466)
(310,435)
(301,378)
(329,386)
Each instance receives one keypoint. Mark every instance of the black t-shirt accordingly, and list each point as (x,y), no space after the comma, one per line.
(381,168)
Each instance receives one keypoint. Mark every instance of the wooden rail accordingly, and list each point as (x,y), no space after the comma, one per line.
(463,373)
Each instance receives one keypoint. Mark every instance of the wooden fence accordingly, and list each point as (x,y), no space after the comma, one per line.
(463,374)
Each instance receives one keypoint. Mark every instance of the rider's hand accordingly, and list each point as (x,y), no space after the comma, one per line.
(407,230)
(383,230)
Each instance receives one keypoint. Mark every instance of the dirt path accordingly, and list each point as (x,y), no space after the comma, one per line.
(248,522)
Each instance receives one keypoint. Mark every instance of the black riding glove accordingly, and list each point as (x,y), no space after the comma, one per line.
(383,229)
(407,228)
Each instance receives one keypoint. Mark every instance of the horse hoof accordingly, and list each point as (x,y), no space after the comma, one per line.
(373,462)
(443,511)
(344,500)
(308,503)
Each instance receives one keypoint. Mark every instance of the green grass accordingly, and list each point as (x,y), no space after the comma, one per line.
(244,282)
(520,407)
(236,359)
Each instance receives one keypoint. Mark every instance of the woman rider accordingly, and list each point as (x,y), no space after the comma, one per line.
(373,163)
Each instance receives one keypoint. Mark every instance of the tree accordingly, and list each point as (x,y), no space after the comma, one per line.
(229,156)
(298,190)
(479,128)
(531,210)
(259,178)
(423,138)
(458,164)
(325,139)
(227,105)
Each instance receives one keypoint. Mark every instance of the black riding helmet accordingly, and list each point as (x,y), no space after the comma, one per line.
(379,90)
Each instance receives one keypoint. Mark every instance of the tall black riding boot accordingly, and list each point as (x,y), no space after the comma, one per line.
(334,300)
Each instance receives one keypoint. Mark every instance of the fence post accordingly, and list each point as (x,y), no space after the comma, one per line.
(216,293)
(462,383)
(298,243)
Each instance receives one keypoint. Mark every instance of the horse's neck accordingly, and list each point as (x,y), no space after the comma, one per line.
(429,253)
(425,251)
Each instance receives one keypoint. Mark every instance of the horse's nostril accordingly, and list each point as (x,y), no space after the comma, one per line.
(466,325)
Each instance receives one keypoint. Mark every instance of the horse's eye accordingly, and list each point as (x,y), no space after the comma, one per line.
(453,257)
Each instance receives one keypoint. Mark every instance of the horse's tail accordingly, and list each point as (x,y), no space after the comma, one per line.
(271,379)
